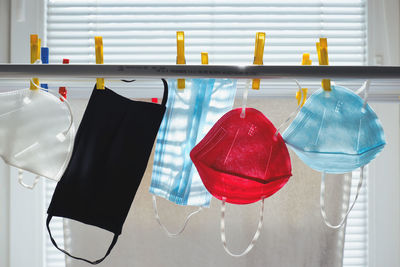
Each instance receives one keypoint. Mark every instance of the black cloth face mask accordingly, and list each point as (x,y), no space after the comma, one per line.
(109,158)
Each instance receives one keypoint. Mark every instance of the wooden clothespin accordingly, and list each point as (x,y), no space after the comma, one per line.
(98,44)
(204,58)
(322,50)
(301,100)
(258,56)
(180,58)
(35,55)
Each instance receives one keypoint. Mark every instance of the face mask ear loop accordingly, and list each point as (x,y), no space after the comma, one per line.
(322,201)
(244,101)
(365,88)
(70,114)
(66,103)
(366,84)
(294,113)
(255,237)
(164,227)
(113,242)
(21,182)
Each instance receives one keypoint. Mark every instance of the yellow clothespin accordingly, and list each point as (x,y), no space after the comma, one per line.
(258,55)
(301,100)
(306,59)
(35,55)
(180,58)
(204,58)
(98,44)
(39,46)
(322,50)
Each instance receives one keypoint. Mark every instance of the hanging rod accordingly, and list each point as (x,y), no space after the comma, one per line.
(196,71)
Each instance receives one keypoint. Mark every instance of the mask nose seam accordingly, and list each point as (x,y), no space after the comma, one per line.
(320,127)
(230,149)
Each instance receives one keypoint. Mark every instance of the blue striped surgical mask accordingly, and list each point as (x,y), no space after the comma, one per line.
(190,114)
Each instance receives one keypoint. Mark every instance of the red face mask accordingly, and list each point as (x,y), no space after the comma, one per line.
(241,160)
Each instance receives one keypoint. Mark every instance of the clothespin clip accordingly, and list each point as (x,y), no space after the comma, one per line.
(98,44)
(301,100)
(180,58)
(39,48)
(301,95)
(258,56)
(35,55)
(204,58)
(306,59)
(44,55)
(322,50)
(62,90)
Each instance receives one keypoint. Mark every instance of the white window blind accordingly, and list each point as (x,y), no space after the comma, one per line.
(144,32)
(356,237)
(53,257)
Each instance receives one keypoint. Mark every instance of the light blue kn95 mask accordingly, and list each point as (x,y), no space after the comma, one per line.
(336,132)
(190,114)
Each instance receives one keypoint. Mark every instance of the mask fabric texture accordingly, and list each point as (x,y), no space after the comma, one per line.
(335,133)
(36,132)
(241,161)
(190,114)
(110,155)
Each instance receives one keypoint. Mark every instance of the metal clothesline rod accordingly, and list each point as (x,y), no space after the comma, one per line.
(10,71)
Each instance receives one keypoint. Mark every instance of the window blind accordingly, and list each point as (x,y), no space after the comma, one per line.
(53,257)
(356,237)
(144,32)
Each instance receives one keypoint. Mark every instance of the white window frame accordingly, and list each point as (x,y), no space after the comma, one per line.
(384,192)
(25,208)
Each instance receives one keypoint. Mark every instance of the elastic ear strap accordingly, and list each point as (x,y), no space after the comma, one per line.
(365,88)
(165,94)
(244,101)
(70,113)
(293,113)
(367,83)
(256,235)
(322,201)
(113,242)
(69,109)
(21,182)
(165,228)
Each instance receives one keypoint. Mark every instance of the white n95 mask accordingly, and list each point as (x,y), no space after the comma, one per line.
(36,132)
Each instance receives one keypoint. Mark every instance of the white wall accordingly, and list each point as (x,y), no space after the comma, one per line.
(383,32)
(4,31)
(383,196)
